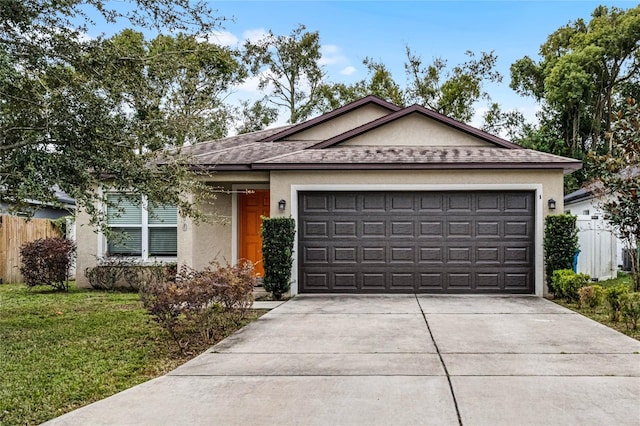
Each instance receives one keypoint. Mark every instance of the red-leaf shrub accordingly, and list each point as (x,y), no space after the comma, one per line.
(46,261)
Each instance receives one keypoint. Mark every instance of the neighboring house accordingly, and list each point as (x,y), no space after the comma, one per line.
(601,251)
(66,207)
(386,200)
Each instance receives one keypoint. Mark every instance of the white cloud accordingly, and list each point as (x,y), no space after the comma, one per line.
(331,55)
(329,49)
(223,38)
(254,35)
(250,85)
(348,70)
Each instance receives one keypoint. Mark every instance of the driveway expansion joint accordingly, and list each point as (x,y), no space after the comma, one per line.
(444,366)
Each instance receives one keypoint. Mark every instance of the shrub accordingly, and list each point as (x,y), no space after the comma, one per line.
(203,303)
(114,271)
(615,296)
(590,296)
(560,244)
(277,254)
(567,283)
(631,309)
(46,261)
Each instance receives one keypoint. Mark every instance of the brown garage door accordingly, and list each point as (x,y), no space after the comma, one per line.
(406,242)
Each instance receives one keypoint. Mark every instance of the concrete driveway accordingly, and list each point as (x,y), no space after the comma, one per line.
(397,360)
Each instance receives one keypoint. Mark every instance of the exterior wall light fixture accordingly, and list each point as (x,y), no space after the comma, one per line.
(282,204)
(552,204)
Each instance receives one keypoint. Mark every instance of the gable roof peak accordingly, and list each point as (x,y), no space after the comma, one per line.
(297,128)
(416,108)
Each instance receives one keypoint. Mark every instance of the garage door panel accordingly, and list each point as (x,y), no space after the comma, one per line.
(402,255)
(345,229)
(441,242)
(459,229)
(316,203)
(431,229)
(402,229)
(315,229)
(373,281)
(374,202)
(431,255)
(374,229)
(430,281)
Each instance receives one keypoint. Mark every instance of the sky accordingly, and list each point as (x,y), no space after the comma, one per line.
(352,30)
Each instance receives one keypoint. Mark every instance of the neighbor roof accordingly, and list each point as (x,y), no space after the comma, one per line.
(267,149)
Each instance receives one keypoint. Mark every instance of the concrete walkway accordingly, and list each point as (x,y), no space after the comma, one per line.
(397,360)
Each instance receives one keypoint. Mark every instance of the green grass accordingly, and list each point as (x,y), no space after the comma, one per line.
(602,314)
(60,351)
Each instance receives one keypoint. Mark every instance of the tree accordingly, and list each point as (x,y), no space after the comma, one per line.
(582,71)
(178,79)
(379,82)
(255,116)
(452,92)
(289,67)
(510,124)
(618,181)
(67,120)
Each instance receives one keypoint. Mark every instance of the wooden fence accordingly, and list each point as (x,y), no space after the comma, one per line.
(14,233)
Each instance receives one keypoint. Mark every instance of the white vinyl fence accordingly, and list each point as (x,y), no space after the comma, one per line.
(598,248)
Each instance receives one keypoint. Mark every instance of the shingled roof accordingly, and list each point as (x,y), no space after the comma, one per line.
(267,149)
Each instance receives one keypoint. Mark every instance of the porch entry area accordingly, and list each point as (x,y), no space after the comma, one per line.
(252,204)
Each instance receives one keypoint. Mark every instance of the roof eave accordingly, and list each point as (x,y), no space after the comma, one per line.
(412,166)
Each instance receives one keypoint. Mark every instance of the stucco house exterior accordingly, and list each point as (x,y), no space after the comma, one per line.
(386,199)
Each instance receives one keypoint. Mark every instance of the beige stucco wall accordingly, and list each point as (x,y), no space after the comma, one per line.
(415,129)
(341,124)
(199,244)
(87,241)
(551,181)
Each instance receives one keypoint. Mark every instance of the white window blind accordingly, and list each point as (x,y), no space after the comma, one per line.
(141,232)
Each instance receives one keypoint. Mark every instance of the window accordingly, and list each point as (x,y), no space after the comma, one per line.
(139,231)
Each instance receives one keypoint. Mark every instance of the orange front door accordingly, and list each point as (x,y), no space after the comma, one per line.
(251,207)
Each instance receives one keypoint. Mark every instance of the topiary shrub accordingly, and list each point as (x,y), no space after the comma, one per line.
(590,296)
(615,297)
(46,261)
(277,254)
(560,244)
(567,283)
(630,310)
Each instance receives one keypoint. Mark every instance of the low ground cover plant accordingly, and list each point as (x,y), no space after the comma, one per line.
(201,305)
(47,261)
(611,303)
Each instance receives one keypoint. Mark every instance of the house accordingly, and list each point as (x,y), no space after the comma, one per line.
(66,206)
(601,251)
(386,200)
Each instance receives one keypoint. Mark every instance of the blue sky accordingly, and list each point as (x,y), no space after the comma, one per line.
(353,30)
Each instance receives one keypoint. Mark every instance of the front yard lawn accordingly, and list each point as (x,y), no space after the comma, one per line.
(60,351)
(602,313)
